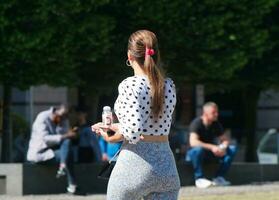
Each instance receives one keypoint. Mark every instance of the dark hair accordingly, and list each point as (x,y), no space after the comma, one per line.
(139,42)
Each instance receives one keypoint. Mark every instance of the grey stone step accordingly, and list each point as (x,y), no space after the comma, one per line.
(22,179)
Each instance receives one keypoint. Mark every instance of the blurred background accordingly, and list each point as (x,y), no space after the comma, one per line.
(74,52)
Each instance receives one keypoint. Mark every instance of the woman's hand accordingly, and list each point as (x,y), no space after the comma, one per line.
(105,157)
(217,151)
(101,129)
(97,127)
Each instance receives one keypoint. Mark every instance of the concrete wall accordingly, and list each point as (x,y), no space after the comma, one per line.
(42,97)
(11,179)
(40,179)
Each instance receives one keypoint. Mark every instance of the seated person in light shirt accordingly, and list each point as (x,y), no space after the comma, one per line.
(51,141)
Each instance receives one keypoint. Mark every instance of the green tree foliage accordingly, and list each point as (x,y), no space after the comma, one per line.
(75,41)
(263,72)
(45,41)
(207,40)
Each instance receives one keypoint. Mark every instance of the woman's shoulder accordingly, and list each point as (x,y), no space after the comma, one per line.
(169,81)
(133,82)
(136,78)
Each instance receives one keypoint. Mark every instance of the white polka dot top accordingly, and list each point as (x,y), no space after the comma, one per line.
(133,108)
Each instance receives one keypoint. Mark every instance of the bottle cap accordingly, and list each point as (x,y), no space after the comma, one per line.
(106,108)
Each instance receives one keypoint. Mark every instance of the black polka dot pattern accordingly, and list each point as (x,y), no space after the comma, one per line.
(134,110)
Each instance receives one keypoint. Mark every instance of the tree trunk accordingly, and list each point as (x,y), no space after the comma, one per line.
(250,102)
(7,134)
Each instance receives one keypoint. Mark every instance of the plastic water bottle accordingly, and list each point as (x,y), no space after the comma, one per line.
(107,119)
(107,115)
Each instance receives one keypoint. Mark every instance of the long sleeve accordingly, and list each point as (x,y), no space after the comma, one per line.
(43,135)
(134,108)
(53,139)
(41,130)
(50,139)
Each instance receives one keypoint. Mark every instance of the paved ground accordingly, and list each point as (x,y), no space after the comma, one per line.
(185,192)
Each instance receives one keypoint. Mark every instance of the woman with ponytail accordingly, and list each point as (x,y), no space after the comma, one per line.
(145,167)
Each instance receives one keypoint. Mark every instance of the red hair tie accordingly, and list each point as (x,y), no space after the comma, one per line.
(149,52)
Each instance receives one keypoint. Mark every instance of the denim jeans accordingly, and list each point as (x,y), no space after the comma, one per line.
(198,154)
(64,154)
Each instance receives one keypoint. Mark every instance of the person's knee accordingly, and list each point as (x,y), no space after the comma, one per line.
(66,142)
(198,151)
(194,153)
(232,150)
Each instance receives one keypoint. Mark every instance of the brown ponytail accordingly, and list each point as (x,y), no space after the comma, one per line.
(139,42)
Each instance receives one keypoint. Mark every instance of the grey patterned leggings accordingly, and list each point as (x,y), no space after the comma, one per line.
(144,170)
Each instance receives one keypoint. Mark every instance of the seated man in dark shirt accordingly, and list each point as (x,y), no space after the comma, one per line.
(207,140)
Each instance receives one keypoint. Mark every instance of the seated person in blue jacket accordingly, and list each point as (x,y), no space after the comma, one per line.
(50,142)
(204,132)
(88,145)
(108,149)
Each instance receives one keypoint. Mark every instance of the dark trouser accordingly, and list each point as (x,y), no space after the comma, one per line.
(89,140)
(94,144)
(64,154)
(198,154)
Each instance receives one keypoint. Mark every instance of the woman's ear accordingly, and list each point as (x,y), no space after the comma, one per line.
(130,57)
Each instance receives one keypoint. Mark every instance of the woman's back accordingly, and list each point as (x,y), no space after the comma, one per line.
(133,108)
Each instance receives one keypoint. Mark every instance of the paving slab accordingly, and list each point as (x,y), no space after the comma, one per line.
(185,192)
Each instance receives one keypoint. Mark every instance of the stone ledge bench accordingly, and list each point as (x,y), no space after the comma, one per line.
(23,179)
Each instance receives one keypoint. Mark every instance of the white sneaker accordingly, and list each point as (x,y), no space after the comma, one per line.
(71,189)
(220,181)
(203,183)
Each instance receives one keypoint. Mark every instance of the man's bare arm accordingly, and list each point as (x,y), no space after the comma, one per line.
(195,142)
